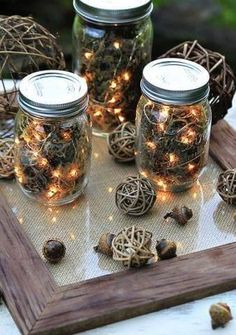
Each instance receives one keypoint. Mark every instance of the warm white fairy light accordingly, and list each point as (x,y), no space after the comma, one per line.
(74,173)
(162,184)
(110,189)
(113,84)
(116,45)
(117,110)
(191,166)
(126,76)
(21,220)
(121,118)
(98,114)
(56,173)
(188,137)
(17,141)
(144,174)
(88,55)
(53,190)
(151,145)
(112,100)
(21,180)
(161,126)
(173,158)
(72,237)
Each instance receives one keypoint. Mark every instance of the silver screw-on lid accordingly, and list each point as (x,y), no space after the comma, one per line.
(53,93)
(113,11)
(175,81)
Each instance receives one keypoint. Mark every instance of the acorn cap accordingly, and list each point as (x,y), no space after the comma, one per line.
(105,244)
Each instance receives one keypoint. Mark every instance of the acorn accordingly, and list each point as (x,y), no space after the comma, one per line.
(54,250)
(181,215)
(105,244)
(166,249)
(220,315)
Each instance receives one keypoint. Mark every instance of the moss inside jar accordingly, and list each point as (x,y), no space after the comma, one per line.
(52,137)
(112,43)
(173,123)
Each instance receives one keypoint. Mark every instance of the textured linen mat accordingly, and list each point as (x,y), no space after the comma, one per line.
(80,224)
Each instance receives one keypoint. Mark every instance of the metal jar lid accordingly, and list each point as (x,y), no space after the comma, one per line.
(113,11)
(53,93)
(175,81)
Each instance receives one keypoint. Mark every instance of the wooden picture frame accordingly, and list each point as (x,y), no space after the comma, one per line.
(40,307)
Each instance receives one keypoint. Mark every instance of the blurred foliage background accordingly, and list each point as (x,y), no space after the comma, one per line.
(212,22)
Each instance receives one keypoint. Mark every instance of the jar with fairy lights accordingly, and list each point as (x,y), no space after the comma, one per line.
(112,42)
(52,137)
(173,123)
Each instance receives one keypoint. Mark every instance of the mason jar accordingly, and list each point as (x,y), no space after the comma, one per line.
(173,123)
(52,137)
(112,42)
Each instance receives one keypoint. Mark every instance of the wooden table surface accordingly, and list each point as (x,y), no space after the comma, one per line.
(192,318)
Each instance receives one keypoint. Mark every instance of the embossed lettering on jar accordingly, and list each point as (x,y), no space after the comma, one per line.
(173,123)
(112,42)
(53,137)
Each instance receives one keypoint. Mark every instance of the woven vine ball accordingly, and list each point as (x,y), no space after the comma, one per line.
(135,196)
(222,79)
(6,158)
(132,247)
(25,47)
(121,142)
(226,186)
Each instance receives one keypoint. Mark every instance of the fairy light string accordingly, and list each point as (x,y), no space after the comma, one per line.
(174,143)
(112,66)
(52,158)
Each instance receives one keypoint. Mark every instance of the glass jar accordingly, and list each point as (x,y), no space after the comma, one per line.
(173,123)
(52,137)
(112,42)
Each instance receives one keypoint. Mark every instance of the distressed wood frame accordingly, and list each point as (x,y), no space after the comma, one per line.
(40,307)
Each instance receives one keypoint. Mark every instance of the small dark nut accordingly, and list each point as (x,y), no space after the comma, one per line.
(181,215)
(105,244)
(220,315)
(166,249)
(54,250)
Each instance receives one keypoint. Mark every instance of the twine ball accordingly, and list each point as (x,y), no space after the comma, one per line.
(6,158)
(222,79)
(132,247)
(121,142)
(25,47)
(135,196)
(226,186)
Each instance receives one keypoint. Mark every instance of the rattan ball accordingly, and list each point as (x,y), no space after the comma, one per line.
(25,47)
(6,158)
(135,196)
(226,186)
(121,142)
(132,247)
(222,79)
